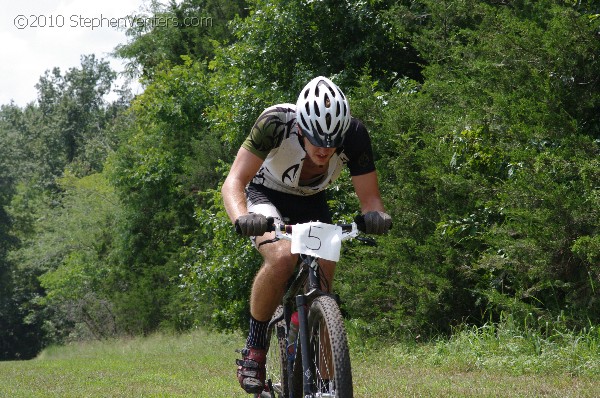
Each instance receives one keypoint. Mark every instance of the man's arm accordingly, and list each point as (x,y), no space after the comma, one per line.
(243,169)
(366,187)
(376,220)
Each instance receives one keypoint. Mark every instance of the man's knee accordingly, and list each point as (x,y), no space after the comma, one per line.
(280,259)
(281,262)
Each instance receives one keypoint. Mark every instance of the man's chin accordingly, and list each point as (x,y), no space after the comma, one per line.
(320,161)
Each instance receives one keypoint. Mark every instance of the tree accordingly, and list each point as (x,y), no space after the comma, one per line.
(494,144)
(74,110)
(77,260)
(159,172)
(165,33)
(68,128)
(485,121)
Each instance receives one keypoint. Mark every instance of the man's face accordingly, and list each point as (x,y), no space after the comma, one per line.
(318,155)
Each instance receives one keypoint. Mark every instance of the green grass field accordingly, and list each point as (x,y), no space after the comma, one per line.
(201,364)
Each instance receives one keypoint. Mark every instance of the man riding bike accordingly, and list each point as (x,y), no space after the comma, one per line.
(292,154)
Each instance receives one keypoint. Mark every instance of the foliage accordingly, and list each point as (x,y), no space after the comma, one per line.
(163,33)
(158,173)
(16,340)
(218,268)
(79,287)
(71,129)
(485,123)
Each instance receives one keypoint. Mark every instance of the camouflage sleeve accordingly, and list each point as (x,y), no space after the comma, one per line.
(269,130)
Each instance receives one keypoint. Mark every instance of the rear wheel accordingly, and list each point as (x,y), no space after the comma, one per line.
(329,354)
(276,367)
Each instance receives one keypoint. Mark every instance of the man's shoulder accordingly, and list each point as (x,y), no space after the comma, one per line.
(283,111)
(356,131)
(276,121)
(272,126)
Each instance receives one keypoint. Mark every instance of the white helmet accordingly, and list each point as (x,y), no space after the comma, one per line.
(323,113)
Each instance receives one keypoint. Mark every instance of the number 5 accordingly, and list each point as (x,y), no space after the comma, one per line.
(317,238)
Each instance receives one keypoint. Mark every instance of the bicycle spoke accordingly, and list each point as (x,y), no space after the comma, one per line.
(322,361)
(330,362)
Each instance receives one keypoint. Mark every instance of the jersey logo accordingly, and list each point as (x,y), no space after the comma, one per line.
(290,173)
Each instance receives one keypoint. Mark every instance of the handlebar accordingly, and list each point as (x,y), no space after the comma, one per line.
(359,221)
(348,230)
(287,228)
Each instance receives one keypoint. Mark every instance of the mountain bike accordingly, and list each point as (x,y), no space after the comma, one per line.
(316,363)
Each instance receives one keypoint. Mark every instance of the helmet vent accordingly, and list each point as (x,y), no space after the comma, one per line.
(303,121)
(317,127)
(337,126)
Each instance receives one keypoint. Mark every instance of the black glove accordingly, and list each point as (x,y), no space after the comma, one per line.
(377,222)
(252,224)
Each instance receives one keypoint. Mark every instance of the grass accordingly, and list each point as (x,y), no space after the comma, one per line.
(197,364)
(496,360)
(493,361)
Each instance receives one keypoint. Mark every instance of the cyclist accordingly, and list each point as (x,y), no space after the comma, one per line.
(292,154)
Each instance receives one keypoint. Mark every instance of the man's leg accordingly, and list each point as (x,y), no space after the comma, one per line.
(267,291)
(327,271)
(270,281)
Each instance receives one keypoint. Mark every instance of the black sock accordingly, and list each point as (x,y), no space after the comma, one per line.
(257,337)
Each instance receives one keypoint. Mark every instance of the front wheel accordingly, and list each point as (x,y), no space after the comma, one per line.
(328,347)
(276,367)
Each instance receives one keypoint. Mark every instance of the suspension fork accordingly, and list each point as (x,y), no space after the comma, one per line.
(304,349)
(302,300)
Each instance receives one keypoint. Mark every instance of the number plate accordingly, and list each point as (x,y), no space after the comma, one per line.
(317,239)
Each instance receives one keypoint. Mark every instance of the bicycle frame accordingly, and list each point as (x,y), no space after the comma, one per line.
(312,285)
(302,289)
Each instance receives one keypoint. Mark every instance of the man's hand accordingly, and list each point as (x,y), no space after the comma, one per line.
(252,224)
(377,222)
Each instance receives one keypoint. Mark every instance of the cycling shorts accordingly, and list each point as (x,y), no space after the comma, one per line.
(287,208)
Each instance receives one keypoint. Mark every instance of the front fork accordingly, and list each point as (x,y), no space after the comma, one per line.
(302,300)
(303,332)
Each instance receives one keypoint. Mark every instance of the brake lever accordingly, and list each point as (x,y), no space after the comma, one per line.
(367,241)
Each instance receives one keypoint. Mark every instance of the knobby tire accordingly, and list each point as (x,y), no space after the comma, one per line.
(330,357)
(276,367)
